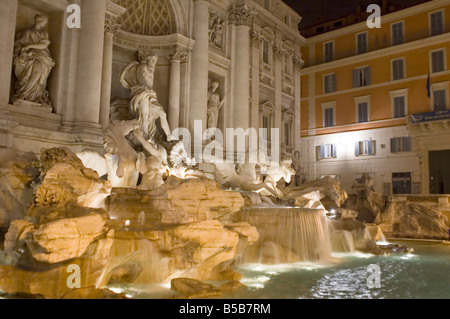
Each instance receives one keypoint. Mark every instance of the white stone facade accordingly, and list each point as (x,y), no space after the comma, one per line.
(252,51)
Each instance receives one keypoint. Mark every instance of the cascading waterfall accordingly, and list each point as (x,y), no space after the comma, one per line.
(287,235)
(342,241)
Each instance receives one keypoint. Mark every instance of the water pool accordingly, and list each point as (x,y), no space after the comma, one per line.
(421,275)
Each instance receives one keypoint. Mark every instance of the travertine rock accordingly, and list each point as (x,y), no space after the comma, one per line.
(375,232)
(52,282)
(412,221)
(327,190)
(192,287)
(65,181)
(176,201)
(16,235)
(362,238)
(65,239)
(15,194)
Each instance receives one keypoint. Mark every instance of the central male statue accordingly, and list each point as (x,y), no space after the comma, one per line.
(138,77)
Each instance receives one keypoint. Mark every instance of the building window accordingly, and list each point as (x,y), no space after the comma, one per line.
(398,69)
(327,151)
(439,100)
(363,112)
(401,183)
(337,24)
(436,23)
(365,148)
(329,83)
(328,110)
(266,52)
(439,96)
(400,144)
(362,105)
(329,51)
(361,43)
(437,61)
(397,33)
(399,103)
(361,77)
(399,107)
(328,117)
(266,4)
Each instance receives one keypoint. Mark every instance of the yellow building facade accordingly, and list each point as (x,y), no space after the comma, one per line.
(376,101)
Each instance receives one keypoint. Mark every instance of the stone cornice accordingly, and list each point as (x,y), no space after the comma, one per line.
(131,41)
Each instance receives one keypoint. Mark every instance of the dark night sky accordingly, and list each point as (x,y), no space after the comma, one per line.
(311,10)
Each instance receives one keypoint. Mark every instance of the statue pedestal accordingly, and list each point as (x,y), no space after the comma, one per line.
(28,104)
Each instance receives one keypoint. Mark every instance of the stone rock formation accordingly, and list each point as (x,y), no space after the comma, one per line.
(63,228)
(16,194)
(65,181)
(326,190)
(64,239)
(366,200)
(361,237)
(177,201)
(408,220)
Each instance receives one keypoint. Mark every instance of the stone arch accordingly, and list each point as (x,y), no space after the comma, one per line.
(153,17)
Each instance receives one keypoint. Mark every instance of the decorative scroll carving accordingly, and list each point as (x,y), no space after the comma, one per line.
(256,39)
(299,63)
(278,52)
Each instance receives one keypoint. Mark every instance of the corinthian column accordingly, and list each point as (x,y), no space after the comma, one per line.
(200,63)
(176,56)
(111,27)
(90,67)
(8,13)
(242,17)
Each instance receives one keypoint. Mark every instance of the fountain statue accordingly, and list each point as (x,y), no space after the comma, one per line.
(138,77)
(214,105)
(33,63)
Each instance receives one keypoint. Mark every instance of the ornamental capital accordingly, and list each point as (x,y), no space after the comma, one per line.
(178,53)
(241,15)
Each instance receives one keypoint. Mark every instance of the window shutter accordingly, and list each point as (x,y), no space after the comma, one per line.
(367,75)
(357,150)
(333,151)
(355,78)
(371,147)
(334,83)
(408,144)
(321,151)
(393,146)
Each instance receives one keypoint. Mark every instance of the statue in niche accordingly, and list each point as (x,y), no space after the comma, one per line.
(214,105)
(33,63)
(216,30)
(138,77)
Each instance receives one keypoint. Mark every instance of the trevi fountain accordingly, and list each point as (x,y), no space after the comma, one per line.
(143,217)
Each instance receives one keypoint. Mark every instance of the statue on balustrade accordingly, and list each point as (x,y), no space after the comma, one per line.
(138,77)
(33,63)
